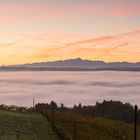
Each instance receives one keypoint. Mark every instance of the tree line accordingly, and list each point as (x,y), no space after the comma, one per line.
(114,110)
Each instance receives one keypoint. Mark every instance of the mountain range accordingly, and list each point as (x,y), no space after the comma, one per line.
(77,64)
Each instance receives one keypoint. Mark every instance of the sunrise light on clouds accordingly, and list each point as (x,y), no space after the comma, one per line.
(48,30)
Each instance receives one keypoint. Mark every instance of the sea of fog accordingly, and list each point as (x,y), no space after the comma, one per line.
(19,88)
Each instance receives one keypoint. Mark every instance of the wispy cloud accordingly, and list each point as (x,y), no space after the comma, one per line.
(136,32)
(114,84)
(7,44)
(42,47)
(109,47)
(40,82)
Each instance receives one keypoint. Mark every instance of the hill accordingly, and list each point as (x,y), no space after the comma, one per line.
(74,65)
(80,63)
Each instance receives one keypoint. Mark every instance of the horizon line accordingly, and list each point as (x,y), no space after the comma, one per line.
(107,62)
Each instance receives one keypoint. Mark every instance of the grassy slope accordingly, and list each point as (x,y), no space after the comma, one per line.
(89,128)
(25,126)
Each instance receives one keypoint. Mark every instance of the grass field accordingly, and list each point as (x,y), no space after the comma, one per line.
(91,128)
(25,126)
(34,126)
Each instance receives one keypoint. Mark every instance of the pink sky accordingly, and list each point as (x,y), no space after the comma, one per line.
(50,30)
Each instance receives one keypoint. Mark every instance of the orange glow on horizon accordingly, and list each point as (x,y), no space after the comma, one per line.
(39,48)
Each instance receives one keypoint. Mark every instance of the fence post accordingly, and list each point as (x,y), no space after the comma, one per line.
(53,116)
(135,123)
(33,103)
(75,125)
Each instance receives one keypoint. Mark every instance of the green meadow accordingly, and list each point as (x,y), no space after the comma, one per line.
(25,126)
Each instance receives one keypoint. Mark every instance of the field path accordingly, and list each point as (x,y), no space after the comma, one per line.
(25,126)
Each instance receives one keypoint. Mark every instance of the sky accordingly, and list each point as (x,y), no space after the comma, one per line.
(49,30)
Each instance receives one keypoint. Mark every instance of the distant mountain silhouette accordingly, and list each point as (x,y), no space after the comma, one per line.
(76,64)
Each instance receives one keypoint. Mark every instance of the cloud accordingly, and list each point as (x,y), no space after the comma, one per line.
(41,47)
(7,44)
(117,93)
(94,40)
(107,48)
(38,37)
(20,88)
(114,84)
(36,82)
(132,33)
